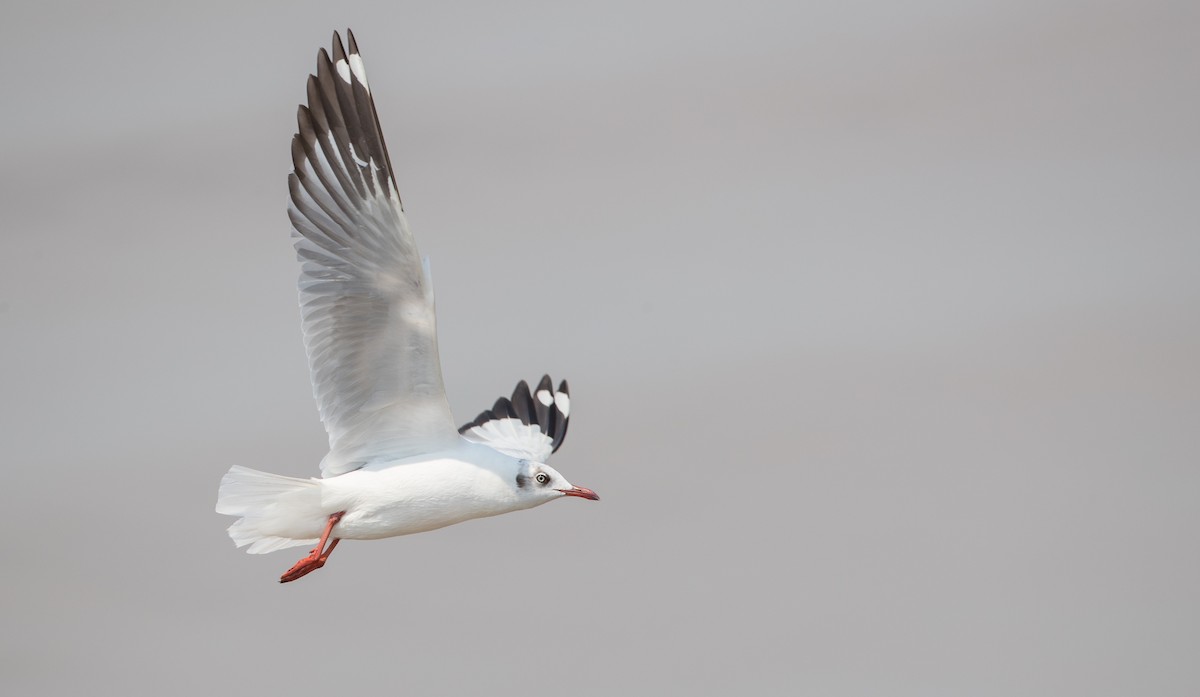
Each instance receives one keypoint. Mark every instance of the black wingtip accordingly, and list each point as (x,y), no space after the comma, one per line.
(339,51)
(539,408)
(352,43)
(522,403)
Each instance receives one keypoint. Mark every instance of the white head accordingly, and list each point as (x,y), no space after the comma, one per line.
(528,427)
(538,483)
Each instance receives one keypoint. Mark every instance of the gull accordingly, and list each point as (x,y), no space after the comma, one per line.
(397,465)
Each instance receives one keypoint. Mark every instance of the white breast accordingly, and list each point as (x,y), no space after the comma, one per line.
(402,499)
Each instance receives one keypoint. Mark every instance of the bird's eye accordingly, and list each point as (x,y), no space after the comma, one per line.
(542,478)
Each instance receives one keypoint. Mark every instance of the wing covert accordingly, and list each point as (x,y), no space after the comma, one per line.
(528,425)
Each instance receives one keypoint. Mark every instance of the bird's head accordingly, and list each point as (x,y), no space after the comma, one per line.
(539,483)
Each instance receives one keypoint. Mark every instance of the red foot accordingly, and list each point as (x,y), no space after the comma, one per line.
(303,567)
(316,558)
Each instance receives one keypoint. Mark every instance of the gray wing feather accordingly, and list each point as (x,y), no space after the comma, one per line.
(365,297)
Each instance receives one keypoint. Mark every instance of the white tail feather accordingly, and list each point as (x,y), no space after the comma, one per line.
(276,512)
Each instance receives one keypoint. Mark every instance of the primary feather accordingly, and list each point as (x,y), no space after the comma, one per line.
(365,296)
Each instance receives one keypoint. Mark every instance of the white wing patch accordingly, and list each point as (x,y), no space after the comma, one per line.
(354,66)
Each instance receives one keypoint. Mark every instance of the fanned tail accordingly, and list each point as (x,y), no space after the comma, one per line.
(276,512)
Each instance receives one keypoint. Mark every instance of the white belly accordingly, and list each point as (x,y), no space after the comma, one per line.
(416,497)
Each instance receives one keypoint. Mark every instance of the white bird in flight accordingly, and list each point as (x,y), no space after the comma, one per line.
(396,464)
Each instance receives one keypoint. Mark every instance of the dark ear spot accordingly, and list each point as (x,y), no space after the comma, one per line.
(522,481)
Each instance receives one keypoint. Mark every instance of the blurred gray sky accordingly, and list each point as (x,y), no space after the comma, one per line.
(881,320)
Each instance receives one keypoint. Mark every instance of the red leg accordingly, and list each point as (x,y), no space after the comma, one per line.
(316,558)
(330,549)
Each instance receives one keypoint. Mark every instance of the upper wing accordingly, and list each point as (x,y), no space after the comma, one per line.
(365,296)
(530,426)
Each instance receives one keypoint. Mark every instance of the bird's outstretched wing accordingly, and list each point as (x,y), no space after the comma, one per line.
(526,425)
(365,296)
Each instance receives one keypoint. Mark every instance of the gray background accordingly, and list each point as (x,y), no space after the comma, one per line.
(881,320)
